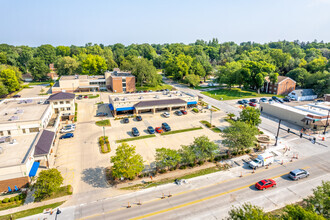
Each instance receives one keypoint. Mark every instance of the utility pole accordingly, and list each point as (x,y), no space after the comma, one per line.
(278,131)
(104,134)
(327,123)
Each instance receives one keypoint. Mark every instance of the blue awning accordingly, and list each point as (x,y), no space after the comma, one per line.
(124,109)
(111,107)
(34,169)
(192,103)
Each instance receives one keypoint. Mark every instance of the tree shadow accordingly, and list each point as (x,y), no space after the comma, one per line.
(95,177)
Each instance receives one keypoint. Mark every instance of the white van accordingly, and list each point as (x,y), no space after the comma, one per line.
(262,160)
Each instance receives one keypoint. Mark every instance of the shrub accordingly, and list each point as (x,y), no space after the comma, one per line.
(162,171)
(200,162)
(172,168)
(192,165)
(195,110)
(12,199)
(247,151)
(5,200)
(16,198)
(182,167)
(234,153)
(140,176)
(70,190)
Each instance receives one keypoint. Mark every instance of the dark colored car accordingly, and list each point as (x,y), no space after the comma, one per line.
(245,101)
(184,112)
(159,130)
(252,104)
(280,100)
(16,96)
(100,114)
(135,131)
(79,97)
(264,184)
(274,98)
(254,100)
(166,127)
(271,100)
(298,174)
(138,118)
(151,130)
(126,120)
(178,113)
(286,99)
(241,102)
(67,135)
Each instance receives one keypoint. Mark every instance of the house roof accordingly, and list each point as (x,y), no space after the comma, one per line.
(304,92)
(44,143)
(279,79)
(61,96)
(161,102)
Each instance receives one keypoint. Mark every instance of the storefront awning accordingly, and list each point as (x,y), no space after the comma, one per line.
(34,169)
(124,109)
(192,103)
(111,107)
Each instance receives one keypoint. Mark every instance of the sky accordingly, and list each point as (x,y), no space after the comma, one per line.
(77,22)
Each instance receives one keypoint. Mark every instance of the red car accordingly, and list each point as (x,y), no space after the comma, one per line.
(184,112)
(253,104)
(86,96)
(264,184)
(159,130)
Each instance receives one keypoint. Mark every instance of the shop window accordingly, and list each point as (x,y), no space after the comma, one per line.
(62,109)
(23,130)
(32,130)
(61,102)
(1,133)
(68,108)
(55,103)
(9,132)
(67,102)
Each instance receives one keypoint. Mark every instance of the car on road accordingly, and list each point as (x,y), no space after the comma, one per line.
(66,130)
(126,120)
(254,100)
(138,118)
(159,130)
(298,174)
(16,96)
(240,102)
(263,100)
(252,104)
(178,113)
(166,127)
(67,135)
(151,130)
(264,184)
(184,112)
(135,132)
(101,114)
(166,114)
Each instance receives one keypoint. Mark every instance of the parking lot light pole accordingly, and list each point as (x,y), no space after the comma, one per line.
(104,134)
(278,131)
(327,123)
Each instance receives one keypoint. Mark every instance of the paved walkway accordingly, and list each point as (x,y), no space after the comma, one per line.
(33,205)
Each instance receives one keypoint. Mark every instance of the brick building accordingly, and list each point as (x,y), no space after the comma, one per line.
(118,81)
(283,86)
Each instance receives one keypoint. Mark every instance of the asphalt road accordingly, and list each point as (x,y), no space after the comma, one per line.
(215,200)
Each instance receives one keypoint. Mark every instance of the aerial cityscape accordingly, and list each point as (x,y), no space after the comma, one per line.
(165,110)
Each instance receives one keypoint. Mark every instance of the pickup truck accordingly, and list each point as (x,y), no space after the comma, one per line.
(262,160)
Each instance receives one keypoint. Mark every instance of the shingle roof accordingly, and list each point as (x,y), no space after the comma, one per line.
(61,96)
(279,79)
(304,92)
(44,143)
(160,102)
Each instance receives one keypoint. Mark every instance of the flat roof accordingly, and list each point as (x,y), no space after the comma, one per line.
(82,77)
(161,102)
(14,154)
(22,110)
(303,109)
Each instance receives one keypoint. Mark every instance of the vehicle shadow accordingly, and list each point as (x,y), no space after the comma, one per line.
(130,133)
(286,177)
(246,166)
(95,177)
(253,187)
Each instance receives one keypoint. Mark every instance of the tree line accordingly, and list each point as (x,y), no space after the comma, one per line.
(245,64)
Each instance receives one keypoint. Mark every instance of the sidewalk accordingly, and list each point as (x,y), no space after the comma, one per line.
(33,205)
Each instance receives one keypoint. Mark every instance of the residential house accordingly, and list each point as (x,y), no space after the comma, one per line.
(283,86)
(303,94)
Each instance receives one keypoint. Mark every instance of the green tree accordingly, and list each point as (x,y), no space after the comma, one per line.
(9,80)
(317,64)
(320,200)
(3,89)
(298,212)
(231,115)
(248,212)
(3,58)
(299,75)
(63,51)
(192,80)
(273,77)
(187,155)
(126,163)
(47,53)
(250,116)
(167,157)
(281,60)
(66,65)
(230,74)
(204,149)
(25,55)
(93,65)
(320,82)
(48,182)
(38,69)
(239,136)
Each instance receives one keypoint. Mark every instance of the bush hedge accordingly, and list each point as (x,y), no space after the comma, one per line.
(195,110)
(105,146)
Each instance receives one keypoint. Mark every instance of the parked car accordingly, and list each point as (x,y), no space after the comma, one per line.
(138,118)
(271,100)
(184,112)
(262,160)
(252,104)
(178,113)
(66,130)
(67,135)
(241,102)
(264,184)
(280,100)
(166,127)
(126,120)
(274,98)
(70,126)
(151,130)
(86,96)
(254,100)
(245,101)
(286,99)
(166,114)
(298,174)
(135,131)
(100,114)
(159,130)
(79,97)
(263,100)
(16,96)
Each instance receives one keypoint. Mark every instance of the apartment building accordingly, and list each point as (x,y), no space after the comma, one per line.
(119,81)
(283,86)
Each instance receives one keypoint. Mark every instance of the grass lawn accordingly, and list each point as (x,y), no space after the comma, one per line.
(103,123)
(39,83)
(9,205)
(29,212)
(135,138)
(180,131)
(216,130)
(93,96)
(235,93)
(171,180)
(154,88)
(63,191)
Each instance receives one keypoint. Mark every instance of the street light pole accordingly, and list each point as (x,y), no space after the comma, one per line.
(278,131)
(326,124)
(104,134)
